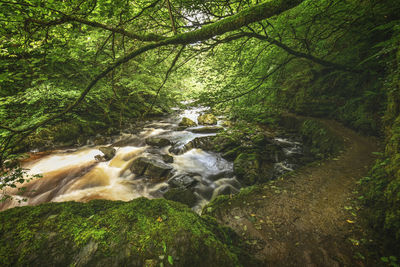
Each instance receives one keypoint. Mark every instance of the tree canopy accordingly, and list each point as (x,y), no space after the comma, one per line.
(39,35)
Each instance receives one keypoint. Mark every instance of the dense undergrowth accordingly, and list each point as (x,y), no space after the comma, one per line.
(382,186)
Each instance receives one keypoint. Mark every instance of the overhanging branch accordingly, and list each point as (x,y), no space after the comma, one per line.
(253,14)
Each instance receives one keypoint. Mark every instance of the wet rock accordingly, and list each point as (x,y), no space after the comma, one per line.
(167,158)
(204,142)
(158,141)
(207,129)
(99,158)
(186,122)
(247,168)
(182,195)
(108,151)
(182,181)
(151,168)
(207,119)
(177,150)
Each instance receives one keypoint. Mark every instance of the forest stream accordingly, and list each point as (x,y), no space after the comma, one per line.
(161,146)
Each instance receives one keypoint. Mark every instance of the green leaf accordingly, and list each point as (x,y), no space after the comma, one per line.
(170,260)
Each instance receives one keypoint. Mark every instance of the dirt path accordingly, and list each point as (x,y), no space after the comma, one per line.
(305,219)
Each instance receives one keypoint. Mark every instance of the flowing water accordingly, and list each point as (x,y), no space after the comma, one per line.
(75,174)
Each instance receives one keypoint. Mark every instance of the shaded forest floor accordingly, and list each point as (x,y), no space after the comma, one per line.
(309,217)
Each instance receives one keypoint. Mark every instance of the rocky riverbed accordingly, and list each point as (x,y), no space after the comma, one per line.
(190,157)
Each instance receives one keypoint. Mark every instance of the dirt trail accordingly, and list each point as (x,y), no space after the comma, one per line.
(305,219)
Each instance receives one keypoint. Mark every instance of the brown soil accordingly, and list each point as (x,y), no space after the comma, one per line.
(305,218)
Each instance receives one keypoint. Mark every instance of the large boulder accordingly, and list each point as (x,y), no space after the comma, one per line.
(207,129)
(108,151)
(182,195)
(207,119)
(152,168)
(186,122)
(158,141)
(114,233)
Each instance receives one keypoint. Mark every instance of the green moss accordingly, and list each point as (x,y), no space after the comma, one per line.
(104,233)
(247,168)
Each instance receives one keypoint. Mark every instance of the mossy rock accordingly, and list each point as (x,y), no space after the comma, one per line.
(186,122)
(114,233)
(109,152)
(247,168)
(207,119)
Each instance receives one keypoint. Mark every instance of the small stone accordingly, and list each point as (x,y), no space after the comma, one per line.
(109,152)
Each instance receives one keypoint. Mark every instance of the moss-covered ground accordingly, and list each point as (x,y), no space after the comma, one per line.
(106,233)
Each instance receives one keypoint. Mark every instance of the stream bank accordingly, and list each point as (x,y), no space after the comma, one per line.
(191,157)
